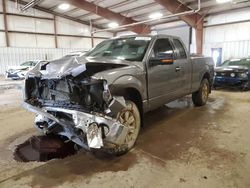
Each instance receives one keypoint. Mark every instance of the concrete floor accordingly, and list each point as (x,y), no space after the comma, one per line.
(179,146)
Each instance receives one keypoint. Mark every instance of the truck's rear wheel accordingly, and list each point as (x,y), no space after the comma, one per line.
(200,97)
(129,117)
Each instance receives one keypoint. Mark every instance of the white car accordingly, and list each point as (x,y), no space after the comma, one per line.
(19,72)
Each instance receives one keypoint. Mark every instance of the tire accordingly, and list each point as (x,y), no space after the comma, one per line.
(126,117)
(200,97)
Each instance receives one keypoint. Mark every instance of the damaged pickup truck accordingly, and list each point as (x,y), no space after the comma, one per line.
(98,100)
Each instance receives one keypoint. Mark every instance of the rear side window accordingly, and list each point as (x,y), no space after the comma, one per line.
(180,48)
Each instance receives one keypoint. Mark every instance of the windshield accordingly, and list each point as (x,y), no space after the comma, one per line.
(239,62)
(28,63)
(131,49)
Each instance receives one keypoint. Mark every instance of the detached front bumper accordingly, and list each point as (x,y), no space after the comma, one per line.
(82,128)
(220,81)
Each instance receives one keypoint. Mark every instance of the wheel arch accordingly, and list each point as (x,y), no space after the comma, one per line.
(207,76)
(131,93)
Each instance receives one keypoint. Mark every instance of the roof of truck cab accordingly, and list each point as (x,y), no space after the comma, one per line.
(147,35)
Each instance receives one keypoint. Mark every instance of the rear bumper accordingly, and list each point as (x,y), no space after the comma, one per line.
(220,81)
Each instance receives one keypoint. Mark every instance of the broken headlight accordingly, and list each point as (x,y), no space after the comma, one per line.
(106,93)
(232,75)
(243,75)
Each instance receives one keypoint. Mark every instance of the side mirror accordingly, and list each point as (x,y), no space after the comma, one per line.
(162,59)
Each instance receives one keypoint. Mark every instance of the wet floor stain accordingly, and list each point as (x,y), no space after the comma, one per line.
(83,164)
(43,148)
(177,127)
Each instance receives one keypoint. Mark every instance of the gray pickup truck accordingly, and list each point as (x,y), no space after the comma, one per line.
(98,100)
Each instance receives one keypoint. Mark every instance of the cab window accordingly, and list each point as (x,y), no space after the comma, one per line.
(161,47)
(27,63)
(178,45)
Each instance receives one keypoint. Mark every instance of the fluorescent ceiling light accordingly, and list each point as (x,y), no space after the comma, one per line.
(113,25)
(223,1)
(64,6)
(155,15)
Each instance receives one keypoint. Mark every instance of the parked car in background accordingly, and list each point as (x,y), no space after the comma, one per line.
(19,72)
(233,73)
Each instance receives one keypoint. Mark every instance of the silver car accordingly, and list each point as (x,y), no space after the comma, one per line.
(19,72)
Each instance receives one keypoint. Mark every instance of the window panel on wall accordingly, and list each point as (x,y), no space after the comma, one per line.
(214,35)
(22,40)
(63,42)
(104,34)
(229,17)
(2,39)
(84,43)
(69,27)
(1,7)
(42,14)
(17,23)
(1,22)
(74,42)
(237,32)
(44,41)
(44,26)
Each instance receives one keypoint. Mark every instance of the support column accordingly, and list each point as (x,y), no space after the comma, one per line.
(5,24)
(92,40)
(91,33)
(199,37)
(55,32)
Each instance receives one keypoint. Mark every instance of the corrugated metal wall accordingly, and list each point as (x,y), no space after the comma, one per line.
(14,56)
(234,39)
(232,49)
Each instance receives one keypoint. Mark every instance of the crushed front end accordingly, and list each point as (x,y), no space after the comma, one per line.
(74,105)
(232,79)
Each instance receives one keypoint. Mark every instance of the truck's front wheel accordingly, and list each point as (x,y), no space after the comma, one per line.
(200,97)
(129,117)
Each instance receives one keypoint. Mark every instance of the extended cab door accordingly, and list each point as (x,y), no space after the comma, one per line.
(183,67)
(162,75)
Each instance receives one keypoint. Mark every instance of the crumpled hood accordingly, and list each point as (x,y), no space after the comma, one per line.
(232,69)
(76,65)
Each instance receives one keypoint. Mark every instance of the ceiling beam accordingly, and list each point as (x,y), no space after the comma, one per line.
(175,6)
(110,15)
(194,20)
(59,14)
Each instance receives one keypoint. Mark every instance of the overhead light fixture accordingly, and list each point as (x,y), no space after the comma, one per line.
(64,6)
(113,25)
(155,15)
(223,1)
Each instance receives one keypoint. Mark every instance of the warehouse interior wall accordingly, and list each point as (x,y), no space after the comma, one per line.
(34,38)
(229,31)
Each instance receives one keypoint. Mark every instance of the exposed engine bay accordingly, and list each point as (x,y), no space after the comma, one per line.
(73,104)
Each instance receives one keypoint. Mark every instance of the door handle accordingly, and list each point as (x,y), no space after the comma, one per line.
(177,69)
